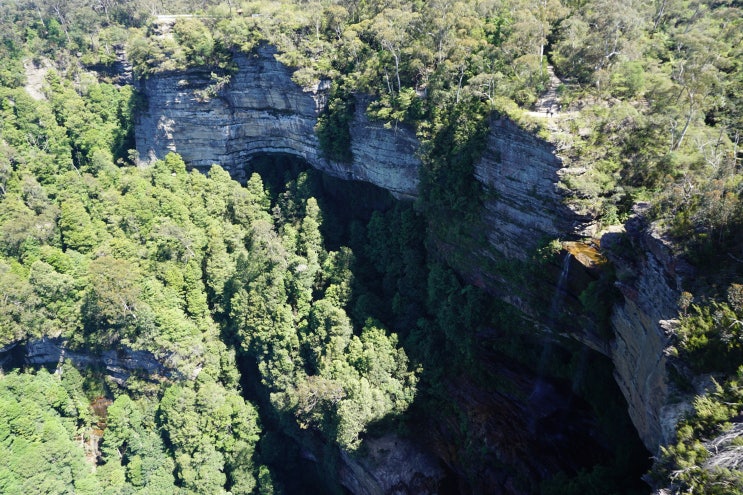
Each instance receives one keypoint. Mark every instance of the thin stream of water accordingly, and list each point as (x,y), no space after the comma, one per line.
(557,298)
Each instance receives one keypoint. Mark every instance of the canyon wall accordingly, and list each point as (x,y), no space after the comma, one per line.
(650,279)
(118,365)
(261,110)
(519,173)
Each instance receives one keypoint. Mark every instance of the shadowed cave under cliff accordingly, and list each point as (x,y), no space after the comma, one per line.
(501,407)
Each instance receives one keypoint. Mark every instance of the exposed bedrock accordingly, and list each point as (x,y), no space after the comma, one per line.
(118,365)
(523,206)
(650,279)
(263,111)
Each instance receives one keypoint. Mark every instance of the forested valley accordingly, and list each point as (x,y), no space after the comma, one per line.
(277,325)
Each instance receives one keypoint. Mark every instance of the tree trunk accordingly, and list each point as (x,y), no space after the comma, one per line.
(541,59)
(397,70)
(688,121)
(459,85)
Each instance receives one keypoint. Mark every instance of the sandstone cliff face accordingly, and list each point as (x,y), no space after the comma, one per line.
(263,111)
(650,283)
(520,174)
(119,364)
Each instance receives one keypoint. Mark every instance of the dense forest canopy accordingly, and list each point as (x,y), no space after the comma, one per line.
(166,261)
(201,272)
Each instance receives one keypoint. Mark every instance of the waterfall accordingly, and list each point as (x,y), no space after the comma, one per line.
(557,298)
(560,288)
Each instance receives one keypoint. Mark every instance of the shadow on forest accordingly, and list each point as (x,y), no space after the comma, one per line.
(500,406)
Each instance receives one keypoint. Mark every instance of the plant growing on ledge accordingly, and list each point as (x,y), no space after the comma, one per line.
(213,89)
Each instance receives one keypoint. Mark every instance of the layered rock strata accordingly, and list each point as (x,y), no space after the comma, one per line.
(523,206)
(650,280)
(118,364)
(260,111)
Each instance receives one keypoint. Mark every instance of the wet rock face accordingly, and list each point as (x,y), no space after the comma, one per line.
(262,111)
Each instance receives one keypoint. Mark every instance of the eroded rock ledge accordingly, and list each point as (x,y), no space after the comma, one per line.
(118,364)
(263,111)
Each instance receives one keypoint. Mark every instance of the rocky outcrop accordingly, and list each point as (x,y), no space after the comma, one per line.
(523,206)
(391,464)
(118,364)
(650,280)
(261,110)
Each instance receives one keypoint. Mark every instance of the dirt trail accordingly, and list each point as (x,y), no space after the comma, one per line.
(548,107)
(548,104)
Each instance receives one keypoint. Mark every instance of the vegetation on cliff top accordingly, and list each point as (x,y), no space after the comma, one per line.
(649,108)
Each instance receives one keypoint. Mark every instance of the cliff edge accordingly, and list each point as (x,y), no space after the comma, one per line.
(262,111)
